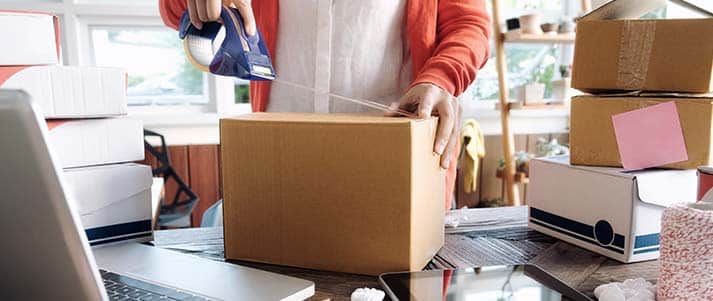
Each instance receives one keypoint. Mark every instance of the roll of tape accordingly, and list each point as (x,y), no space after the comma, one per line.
(686,260)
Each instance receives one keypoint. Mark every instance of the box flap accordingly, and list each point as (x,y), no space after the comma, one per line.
(623,9)
(667,187)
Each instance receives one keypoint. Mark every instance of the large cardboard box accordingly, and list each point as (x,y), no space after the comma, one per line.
(114,201)
(70,91)
(29,38)
(651,55)
(346,193)
(592,138)
(605,210)
(87,142)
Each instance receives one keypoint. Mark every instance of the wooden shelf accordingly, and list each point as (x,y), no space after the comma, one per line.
(544,106)
(520,177)
(515,36)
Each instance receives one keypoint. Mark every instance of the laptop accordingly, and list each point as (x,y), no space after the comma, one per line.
(45,255)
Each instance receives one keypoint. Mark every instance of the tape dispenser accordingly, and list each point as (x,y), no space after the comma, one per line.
(238,54)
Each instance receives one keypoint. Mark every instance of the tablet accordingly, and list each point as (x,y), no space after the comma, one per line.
(496,283)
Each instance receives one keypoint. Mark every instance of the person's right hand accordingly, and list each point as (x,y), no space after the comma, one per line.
(209,11)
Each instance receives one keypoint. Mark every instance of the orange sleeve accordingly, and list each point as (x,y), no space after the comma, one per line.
(171,12)
(462,47)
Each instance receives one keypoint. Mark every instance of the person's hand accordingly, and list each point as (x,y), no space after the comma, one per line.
(428,99)
(209,11)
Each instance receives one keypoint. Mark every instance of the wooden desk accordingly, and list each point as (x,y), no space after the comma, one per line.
(484,237)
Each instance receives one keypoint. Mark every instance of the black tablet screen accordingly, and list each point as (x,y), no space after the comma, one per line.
(496,283)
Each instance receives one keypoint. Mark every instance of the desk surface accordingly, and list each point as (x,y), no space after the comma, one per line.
(494,236)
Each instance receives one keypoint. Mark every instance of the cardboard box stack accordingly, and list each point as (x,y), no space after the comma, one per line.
(636,141)
(346,193)
(89,135)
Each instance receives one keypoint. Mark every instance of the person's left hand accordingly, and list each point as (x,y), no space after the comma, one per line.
(428,99)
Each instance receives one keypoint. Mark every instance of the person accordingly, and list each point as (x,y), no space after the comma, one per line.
(420,54)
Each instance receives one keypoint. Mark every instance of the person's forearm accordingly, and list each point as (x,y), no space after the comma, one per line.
(463,46)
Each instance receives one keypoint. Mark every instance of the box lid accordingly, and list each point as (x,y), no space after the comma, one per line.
(323,118)
(661,187)
(633,9)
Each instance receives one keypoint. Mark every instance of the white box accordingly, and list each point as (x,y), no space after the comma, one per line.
(605,210)
(87,142)
(114,201)
(28,38)
(69,91)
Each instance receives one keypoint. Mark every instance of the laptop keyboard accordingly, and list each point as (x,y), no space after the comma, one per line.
(124,288)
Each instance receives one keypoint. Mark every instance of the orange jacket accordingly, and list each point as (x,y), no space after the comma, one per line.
(448,40)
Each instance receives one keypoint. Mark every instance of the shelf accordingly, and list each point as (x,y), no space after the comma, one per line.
(520,177)
(544,106)
(515,36)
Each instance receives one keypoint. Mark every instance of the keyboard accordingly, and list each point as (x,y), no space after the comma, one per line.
(124,288)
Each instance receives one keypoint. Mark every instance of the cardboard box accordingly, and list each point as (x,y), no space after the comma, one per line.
(70,92)
(605,210)
(87,142)
(592,138)
(29,38)
(345,193)
(649,55)
(114,201)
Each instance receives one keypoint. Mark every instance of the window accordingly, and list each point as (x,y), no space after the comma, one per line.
(526,63)
(158,72)
(130,34)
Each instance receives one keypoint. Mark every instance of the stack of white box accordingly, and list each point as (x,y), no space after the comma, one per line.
(89,134)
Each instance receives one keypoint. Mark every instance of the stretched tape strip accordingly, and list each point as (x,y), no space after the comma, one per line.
(637,39)
(364,102)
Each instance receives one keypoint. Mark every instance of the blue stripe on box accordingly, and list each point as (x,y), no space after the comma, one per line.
(111,240)
(572,226)
(648,240)
(576,236)
(641,251)
(118,230)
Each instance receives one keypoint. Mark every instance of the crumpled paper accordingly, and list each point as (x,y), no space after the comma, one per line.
(367,294)
(630,290)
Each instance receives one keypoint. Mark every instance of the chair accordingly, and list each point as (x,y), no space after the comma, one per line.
(177,213)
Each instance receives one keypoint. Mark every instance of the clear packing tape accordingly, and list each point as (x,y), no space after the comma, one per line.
(637,39)
(686,260)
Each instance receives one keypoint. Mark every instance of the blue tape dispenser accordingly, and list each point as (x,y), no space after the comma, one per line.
(238,55)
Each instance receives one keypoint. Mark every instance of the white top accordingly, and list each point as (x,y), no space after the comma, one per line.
(356,49)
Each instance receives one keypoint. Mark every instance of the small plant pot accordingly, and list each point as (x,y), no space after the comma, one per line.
(561,91)
(549,28)
(533,93)
(530,24)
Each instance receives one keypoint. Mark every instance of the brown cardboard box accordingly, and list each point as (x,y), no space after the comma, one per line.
(344,193)
(592,138)
(649,55)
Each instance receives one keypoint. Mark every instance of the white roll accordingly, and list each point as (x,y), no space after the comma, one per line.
(686,260)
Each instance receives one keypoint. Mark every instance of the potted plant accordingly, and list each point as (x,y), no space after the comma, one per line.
(561,91)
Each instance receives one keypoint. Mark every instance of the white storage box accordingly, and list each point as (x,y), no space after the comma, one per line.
(70,92)
(29,38)
(87,142)
(114,201)
(605,210)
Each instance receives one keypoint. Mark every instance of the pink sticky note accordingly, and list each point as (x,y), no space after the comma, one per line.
(650,137)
